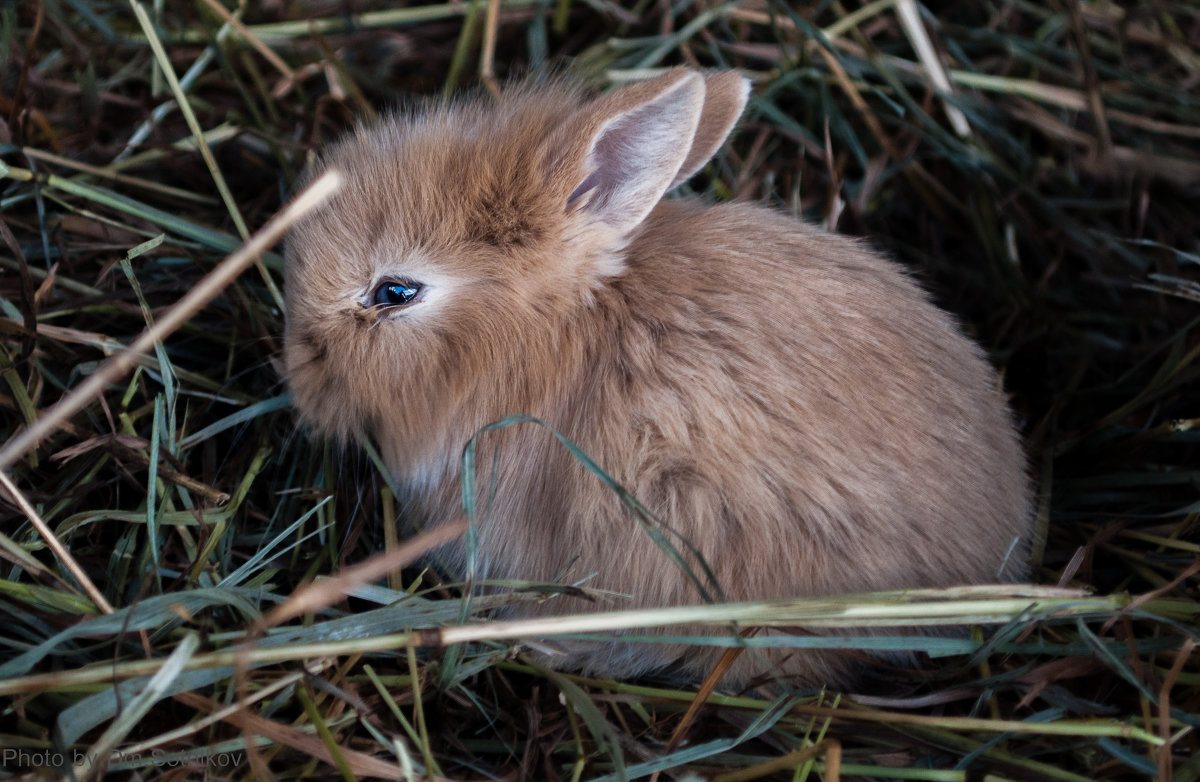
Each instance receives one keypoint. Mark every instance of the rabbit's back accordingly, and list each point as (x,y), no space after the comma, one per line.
(802,367)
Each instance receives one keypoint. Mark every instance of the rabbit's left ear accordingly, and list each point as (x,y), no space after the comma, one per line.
(725,97)
(638,139)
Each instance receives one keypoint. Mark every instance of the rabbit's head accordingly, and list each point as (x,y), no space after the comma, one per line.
(424,299)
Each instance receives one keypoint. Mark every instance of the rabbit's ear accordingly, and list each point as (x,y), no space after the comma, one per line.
(725,97)
(640,136)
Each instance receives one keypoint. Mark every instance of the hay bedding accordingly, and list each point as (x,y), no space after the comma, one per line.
(1049,199)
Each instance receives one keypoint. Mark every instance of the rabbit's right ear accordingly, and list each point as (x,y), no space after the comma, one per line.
(634,141)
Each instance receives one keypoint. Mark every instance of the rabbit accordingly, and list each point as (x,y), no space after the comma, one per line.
(787,400)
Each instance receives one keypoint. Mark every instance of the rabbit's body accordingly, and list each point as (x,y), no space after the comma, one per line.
(784,399)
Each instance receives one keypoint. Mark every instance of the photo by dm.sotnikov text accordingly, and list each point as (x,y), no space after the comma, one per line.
(15,758)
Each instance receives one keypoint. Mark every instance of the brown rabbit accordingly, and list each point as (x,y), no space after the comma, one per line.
(785,399)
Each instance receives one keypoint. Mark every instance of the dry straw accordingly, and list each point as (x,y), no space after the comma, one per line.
(166,523)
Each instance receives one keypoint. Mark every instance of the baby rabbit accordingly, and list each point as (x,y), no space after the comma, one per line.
(786,400)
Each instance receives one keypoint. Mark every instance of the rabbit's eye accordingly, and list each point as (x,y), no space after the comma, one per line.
(396,294)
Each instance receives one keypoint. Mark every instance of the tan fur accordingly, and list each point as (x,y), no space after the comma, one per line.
(786,399)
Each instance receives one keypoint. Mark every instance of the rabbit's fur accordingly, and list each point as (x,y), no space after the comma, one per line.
(785,399)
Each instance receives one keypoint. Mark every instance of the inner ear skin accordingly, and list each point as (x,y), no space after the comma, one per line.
(587,184)
(638,138)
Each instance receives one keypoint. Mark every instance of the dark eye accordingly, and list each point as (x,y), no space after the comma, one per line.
(396,294)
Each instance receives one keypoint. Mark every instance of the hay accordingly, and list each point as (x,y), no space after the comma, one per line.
(1037,165)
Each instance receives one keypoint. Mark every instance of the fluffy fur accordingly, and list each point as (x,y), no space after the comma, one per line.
(786,399)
